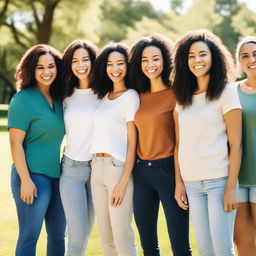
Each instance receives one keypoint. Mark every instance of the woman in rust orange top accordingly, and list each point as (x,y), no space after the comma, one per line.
(154,175)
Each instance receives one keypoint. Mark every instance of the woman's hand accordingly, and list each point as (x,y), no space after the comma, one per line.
(117,194)
(230,201)
(28,191)
(180,196)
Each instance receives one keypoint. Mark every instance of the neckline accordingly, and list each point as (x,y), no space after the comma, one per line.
(117,97)
(53,108)
(239,88)
(165,89)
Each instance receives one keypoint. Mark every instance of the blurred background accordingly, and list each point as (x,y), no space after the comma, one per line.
(24,23)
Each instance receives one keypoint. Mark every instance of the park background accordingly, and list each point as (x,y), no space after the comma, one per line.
(24,23)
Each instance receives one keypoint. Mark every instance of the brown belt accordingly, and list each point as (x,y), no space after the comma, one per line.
(103,155)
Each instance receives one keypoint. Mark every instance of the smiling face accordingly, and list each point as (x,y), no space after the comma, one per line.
(200,59)
(152,62)
(46,70)
(116,67)
(81,64)
(247,58)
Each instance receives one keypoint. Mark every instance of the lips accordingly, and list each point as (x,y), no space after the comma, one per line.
(82,71)
(46,78)
(151,70)
(116,74)
(252,67)
(198,66)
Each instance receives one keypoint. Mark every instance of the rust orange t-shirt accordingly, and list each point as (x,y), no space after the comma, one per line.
(154,121)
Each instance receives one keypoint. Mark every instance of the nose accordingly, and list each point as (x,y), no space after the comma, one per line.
(47,71)
(253,58)
(115,67)
(81,63)
(197,58)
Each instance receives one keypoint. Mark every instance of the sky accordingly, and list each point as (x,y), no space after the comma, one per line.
(164,4)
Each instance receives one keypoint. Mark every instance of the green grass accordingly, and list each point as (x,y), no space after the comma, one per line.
(8,218)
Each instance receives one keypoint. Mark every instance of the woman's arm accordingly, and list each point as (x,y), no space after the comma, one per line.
(119,190)
(233,120)
(28,189)
(180,192)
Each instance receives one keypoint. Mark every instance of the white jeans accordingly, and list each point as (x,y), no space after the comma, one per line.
(117,235)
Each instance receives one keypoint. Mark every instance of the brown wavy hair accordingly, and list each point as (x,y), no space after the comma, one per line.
(25,70)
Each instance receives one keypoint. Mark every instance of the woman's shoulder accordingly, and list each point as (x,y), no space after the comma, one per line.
(23,95)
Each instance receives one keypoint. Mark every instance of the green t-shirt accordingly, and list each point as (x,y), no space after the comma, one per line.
(247,175)
(30,111)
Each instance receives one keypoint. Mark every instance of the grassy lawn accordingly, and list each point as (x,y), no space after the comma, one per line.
(8,219)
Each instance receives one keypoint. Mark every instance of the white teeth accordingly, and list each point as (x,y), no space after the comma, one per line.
(116,75)
(254,66)
(46,77)
(81,71)
(151,70)
(199,66)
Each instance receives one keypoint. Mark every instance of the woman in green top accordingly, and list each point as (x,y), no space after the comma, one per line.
(245,227)
(36,128)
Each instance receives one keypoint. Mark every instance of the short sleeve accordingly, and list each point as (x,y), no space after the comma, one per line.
(177,107)
(229,99)
(133,103)
(18,113)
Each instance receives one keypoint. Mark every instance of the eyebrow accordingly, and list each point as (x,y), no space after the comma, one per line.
(87,56)
(48,64)
(199,52)
(156,55)
(117,61)
(247,52)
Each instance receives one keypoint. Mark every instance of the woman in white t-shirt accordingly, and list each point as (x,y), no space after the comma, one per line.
(208,139)
(113,145)
(79,105)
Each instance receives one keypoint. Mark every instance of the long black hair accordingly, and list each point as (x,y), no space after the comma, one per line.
(136,76)
(221,72)
(101,83)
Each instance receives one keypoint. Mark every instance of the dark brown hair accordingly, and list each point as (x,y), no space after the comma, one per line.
(25,70)
(69,80)
(221,72)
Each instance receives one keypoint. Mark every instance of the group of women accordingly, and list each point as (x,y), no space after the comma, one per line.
(159,123)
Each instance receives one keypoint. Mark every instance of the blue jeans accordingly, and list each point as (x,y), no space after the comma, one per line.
(154,181)
(46,206)
(213,227)
(75,190)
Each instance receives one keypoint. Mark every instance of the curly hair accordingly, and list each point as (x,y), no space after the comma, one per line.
(101,83)
(242,42)
(25,70)
(136,76)
(69,80)
(221,72)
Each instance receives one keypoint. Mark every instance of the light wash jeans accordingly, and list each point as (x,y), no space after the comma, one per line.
(75,191)
(213,227)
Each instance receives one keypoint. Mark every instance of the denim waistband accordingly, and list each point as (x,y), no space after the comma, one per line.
(156,162)
(71,161)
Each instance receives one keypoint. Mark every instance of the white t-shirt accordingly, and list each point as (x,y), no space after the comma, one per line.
(78,116)
(203,150)
(110,124)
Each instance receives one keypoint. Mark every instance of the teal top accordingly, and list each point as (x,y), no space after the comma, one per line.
(30,111)
(247,175)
